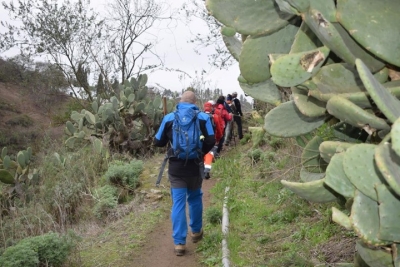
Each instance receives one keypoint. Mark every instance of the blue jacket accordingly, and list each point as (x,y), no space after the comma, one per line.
(164,136)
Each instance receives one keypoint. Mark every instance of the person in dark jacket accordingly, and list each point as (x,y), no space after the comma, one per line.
(186,176)
(237,116)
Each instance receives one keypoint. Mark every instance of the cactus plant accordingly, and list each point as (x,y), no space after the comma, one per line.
(17,174)
(118,120)
(351,85)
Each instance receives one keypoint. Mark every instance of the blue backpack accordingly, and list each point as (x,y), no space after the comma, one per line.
(186,143)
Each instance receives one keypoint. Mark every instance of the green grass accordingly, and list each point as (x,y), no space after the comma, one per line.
(268,224)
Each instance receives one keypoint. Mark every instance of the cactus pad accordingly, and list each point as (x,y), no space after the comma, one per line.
(90,117)
(311,159)
(286,120)
(249,18)
(234,46)
(387,103)
(395,134)
(359,166)
(308,105)
(3,152)
(328,149)
(389,205)
(306,176)
(6,177)
(265,91)
(293,69)
(388,163)
(380,17)
(336,178)
(314,191)
(228,31)
(365,219)
(254,58)
(341,218)
(338,40)
(374,257)
(346,111)
(338,79)
(305,40)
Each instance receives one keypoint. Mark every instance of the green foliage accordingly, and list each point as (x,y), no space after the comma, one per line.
(325,132)
(22,255)
(213,215)
(124,174)
(47,250)
(106,200)
(276,142)
(245,139)
(255,154)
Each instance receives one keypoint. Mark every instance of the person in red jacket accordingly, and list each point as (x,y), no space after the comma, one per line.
(218,125)
(225,115)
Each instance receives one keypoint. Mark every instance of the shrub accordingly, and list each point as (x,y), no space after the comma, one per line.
(45,250)
(19,256)
(268,156)
(20,120)
(107,200)
(124,174)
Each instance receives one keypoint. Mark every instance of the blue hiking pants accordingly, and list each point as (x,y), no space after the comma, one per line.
(178,214)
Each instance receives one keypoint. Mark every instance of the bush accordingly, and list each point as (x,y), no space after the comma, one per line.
(124,174)
(45,250)
(20,120)
(107,200)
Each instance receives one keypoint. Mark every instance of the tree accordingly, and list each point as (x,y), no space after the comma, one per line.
(220,58)
(64,31)
(129,24)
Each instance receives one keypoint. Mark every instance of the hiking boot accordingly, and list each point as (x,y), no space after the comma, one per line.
(207,175)
(179,250)
(196,237)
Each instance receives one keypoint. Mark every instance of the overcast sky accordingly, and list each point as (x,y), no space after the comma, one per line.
(178,53)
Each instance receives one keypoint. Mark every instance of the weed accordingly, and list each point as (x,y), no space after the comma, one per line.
(213,215)
(276,142)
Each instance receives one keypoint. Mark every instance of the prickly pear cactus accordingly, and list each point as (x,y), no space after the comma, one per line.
(17,173)
(127,123)
(339,67)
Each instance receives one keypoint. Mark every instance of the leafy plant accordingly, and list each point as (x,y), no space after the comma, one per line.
(47,250)
(106,200)
(124,174)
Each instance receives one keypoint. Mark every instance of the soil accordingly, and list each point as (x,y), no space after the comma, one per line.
(158,250)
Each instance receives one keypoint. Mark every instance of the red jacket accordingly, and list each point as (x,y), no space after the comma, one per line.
(224,113)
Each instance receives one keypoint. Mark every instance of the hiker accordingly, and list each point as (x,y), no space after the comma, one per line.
(230,107)
(186,170)
(227,117)
(237,115)
(218,125)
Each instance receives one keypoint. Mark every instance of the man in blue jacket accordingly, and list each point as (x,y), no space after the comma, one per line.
(186,175)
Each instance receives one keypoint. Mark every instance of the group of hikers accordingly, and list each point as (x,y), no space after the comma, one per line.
(195,138)
(223,113)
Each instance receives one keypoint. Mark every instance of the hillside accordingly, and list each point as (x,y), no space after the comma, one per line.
(25,118)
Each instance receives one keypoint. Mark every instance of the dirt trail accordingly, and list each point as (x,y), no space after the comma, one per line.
(158,250)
